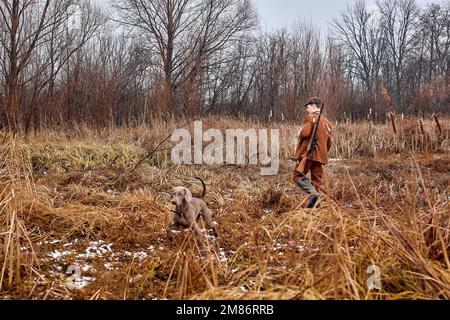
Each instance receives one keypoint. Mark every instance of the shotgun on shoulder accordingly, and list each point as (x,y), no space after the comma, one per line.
(312,144)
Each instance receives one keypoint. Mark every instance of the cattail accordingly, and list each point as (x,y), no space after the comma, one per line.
(387,98)
(370,114)
(392,117)
(422,130)
(388,101)
(436,119)
(425,140)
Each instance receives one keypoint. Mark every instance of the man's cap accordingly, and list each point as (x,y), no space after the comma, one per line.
(313,100)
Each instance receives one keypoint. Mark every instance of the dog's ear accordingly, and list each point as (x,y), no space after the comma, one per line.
(187,195)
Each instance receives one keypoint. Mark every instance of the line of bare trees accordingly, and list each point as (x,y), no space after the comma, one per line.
(136,60)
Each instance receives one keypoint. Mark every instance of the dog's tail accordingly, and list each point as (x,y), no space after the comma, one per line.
(204,187)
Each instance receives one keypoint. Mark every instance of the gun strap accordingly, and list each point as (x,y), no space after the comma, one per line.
(311,150)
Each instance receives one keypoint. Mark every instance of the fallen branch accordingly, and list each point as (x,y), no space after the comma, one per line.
(152,152)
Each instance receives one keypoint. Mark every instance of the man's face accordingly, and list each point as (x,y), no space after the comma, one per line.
(311,108)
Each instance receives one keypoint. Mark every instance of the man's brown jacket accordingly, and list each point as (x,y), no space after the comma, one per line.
(323,134)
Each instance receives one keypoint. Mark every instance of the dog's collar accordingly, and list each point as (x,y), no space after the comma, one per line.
(178,212)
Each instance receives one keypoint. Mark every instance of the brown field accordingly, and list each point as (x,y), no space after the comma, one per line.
(70,197)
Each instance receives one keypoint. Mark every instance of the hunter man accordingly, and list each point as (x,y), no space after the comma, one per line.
(320,157)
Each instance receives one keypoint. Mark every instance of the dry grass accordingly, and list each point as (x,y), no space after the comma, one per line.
(75,186)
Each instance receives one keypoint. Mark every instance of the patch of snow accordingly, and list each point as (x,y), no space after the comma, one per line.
(108,266)
(79,283)
(68,244)
(222,255)
(139,255)
(279,246)
(134,279)
(86,268)
(96,248)
(58,254)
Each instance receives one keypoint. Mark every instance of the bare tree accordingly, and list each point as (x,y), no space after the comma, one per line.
(28,28)
(434,30)
(398,23)
(24,23)
(358,29)
(185,33)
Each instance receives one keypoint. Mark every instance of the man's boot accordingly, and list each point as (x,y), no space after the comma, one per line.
(312,202)
(305,184)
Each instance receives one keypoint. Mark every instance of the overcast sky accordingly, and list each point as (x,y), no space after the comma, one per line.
(275,14)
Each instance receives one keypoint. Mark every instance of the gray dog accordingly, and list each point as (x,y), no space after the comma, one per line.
(188,211)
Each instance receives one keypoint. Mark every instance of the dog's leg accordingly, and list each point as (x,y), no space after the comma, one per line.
(207,215)
(198,233)
(171,228)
